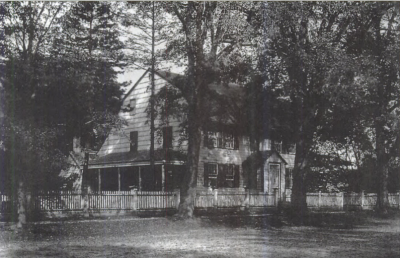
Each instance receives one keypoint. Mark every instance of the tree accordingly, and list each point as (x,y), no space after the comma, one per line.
(213,34)
(302,49)
(92,49)
(59,81)
(373,41)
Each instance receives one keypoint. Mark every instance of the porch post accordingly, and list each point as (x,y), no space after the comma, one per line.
(134,199)
(215,198)
(140,178)
(177,197)
(119,179)
(99,176)
(163,177)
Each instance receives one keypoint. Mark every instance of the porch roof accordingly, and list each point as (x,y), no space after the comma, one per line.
(267,154)
(137,157)
(257,159)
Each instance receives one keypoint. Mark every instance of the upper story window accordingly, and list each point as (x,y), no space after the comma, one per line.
(133,139)
(167,137)
(221,140)
(132,106)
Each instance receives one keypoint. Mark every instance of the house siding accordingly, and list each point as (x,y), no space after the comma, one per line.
(118,140)
(223,156)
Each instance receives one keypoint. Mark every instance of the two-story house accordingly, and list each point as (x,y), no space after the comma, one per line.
(123,162)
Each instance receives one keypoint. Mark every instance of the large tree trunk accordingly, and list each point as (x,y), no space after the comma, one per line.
(189,184)
(380,120)
(196,84)
(21,194)
(382,169)
(299,188)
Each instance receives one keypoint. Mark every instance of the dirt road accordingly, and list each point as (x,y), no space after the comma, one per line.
(202,237)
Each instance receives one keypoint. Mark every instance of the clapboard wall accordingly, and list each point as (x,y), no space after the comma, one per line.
(119,140)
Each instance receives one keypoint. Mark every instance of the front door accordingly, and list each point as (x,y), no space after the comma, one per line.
(274,172)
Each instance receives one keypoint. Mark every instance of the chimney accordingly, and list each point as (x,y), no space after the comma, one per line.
(76,145)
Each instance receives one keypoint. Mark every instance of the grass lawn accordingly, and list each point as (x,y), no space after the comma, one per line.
(214,236)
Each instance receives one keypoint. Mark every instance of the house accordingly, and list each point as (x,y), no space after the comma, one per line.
(123,162)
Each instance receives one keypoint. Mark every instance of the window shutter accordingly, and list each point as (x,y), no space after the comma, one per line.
(236,178)
(222,174)
(235,142)
(205,174)
(167,137)
(206,143)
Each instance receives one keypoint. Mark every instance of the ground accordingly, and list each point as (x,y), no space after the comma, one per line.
(212,236)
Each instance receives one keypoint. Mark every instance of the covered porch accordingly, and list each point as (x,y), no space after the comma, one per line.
(127,171)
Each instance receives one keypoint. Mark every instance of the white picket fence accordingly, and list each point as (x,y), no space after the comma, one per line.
(367,201)
(67,201)
(348,201)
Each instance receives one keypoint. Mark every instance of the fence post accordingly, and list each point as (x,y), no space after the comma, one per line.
(85,200)
(134,199)
(342,201)
(178,197)
(215,201)
(319,199)
(362,199)
(398,200)
(247,199)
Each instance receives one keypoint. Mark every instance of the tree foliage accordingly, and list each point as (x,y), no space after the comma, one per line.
(59,81)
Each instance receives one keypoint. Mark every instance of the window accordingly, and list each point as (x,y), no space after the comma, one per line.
(210,175)
(133,139)
(221,175)
(274,171)
(109,179)
(129,177)
(213,139)
(288,177)
(228,140)
(167,137)
(132,105)
(221,140)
